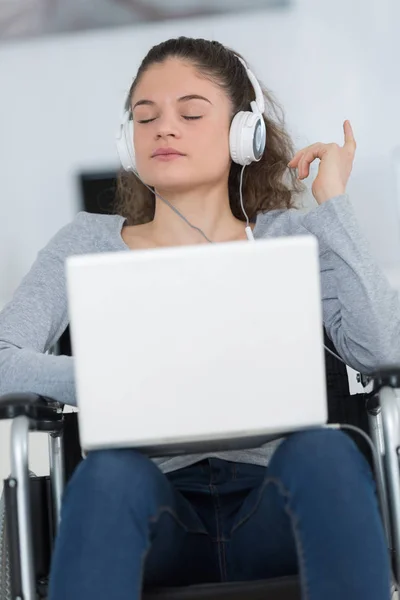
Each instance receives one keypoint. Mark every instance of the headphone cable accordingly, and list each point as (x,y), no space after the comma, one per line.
(248,228)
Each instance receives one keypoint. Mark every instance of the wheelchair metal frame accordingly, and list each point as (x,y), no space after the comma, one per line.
(18,482)
(384,420)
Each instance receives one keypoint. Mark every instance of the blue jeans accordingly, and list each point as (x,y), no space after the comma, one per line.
(313,510)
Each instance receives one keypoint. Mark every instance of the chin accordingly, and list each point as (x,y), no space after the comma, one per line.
(173,185)
(172,182)
(173,177)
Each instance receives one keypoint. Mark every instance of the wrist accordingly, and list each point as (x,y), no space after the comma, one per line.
(324,196)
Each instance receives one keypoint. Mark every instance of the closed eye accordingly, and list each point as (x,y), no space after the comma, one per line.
(143,121)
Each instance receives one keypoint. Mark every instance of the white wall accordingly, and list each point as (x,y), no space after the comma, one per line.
(60,100)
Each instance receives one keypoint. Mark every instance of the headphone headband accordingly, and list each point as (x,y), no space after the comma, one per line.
(256,86)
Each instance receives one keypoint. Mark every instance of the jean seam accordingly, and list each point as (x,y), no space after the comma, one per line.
(246,517)
(166,509)
(142,566)
(294,521)
(219,538)
(305,589)
(234,473)
(153,520)
(222,545)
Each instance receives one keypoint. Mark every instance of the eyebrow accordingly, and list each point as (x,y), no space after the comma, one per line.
(181,99)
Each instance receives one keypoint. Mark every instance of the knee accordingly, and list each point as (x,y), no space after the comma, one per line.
(117,472)
(320,453)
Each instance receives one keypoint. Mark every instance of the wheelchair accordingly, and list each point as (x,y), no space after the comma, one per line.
(32,504)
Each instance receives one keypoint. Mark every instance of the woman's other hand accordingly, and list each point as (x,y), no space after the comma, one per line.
(335,165)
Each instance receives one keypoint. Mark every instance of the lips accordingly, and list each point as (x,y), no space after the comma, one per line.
(166,152)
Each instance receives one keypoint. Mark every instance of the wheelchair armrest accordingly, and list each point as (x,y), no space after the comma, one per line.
(387,376)
(33,406)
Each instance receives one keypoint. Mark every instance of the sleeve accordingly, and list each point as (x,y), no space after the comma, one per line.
(34,320)
(361,311)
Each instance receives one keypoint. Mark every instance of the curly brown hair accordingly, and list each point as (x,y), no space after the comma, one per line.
(267,184)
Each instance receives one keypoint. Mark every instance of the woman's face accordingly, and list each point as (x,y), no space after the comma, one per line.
(174,107)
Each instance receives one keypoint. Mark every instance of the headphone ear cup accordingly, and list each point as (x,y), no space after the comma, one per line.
(247,137)
(236,138)
(125,147)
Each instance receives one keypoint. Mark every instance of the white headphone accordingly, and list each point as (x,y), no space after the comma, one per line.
(247,135)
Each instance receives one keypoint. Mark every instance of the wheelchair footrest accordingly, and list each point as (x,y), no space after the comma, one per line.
(281,588)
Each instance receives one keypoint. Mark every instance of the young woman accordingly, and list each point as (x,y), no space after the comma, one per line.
(306,505)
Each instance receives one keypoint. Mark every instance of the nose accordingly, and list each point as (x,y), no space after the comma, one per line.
(167,126)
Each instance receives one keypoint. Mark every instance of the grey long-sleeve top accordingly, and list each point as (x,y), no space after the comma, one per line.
(361,311)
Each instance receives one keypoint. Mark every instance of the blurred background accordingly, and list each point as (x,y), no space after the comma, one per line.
(65,69)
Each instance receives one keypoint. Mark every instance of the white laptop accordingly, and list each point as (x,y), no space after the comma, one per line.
(196,348)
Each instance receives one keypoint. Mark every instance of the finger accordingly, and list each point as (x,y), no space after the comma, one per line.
(315,151)
(349,140)
(303,170)
(297,157)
